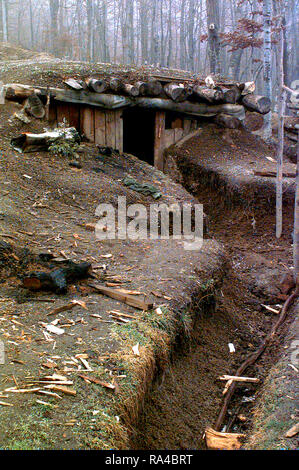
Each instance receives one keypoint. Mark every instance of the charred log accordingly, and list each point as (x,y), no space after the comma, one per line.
(57,280)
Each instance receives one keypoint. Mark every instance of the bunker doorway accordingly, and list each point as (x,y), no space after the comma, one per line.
(139,133)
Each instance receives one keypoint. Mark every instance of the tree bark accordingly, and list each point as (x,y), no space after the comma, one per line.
(296,223)
(281,109)
(4,20)
(213,35)
(267,13)
(257,103)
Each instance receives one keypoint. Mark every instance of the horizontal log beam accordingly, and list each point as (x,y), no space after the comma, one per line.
(194,109)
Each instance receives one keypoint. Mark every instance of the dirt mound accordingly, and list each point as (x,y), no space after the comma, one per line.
(13,52)
(226,160)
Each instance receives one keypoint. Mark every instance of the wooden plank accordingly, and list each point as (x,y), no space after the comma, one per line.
(74,116)
(63,112)
(177,124)
(87,122)
(159,139)
(126,298)
(52,113)
(100,127)
(110,129)
(119,131)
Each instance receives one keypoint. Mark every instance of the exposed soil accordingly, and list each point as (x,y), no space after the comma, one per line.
(188,399)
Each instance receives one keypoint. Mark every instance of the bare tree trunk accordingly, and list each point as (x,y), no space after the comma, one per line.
(282,99)
(182,35)
(296,223)
(213,35)
(54,8)
(169,58)
(4,21)
(31,24)
(191,46)
(267,12)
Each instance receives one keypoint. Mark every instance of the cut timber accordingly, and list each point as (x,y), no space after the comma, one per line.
(130,90)
(230,122)
(247,88)
(125,298)
(239,379)
(61,389)
(74,84)
(58,279)
(39,142)
(160,132)
(19,93)
(107,101)
(195,109)
(259,104)
(150,88)
(207,94)
(176,92)
(231,95)
(223,441)
(34,106)
(98,86)
(115,84)
(272,174)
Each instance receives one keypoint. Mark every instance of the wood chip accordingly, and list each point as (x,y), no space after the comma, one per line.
(61,389)
(126,298)
(3,403)
(135,350)
(270,309)
(98,381)
(55,330)
(223,441)
(239,379)
(293,431)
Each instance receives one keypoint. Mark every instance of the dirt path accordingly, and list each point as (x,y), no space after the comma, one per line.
(189,397)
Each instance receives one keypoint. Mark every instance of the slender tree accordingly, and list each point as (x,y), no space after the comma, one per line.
(281,110)
(213,35)
(296,222)
(267,13)
(4,5)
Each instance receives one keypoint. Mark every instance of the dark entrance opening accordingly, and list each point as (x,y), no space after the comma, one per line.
(139,133)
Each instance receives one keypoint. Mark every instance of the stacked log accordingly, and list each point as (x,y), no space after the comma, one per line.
(99,86)
(227,100)
(259,104)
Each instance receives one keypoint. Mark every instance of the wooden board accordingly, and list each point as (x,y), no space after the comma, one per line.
(53,114)
(74,116)
(119,138)
(159,140)
(110,129)
(87,122)
(63,112)
(100,127)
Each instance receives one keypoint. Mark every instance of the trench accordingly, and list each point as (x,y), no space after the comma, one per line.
(186,398)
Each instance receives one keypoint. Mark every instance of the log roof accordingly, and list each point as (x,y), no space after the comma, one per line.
(53,72)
